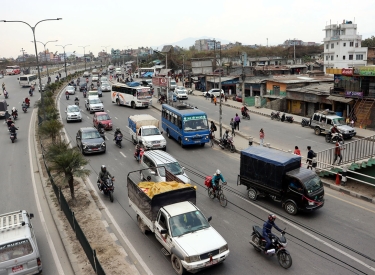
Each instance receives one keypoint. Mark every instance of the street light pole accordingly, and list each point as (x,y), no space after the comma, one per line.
(23,57)
(36,54)
(106,55)
(45,52)
(220,105)
(183,70)
(84,52)
(66,74)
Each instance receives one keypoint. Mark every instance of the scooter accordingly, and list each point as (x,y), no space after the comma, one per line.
(102,132)
(140,153)
(287,118)
(227,145)
(67,96)
(107,187)
(6,94)
(31,92)
(275,115)
(332,138)
(24,109)
(278,245)
(84,94)
(15,115)
(161,100)
(118,139)
(246,115)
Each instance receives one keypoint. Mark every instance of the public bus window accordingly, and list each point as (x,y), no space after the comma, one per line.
(179,122)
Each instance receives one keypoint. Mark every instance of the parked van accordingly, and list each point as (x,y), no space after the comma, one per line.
(3,108)
(19,253)
(153,159)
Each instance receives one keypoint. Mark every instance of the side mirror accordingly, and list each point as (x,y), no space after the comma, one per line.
(163,231)
(183,169)
(161,132)
(209,219)
(152,172)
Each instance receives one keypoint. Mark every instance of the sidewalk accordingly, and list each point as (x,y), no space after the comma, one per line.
(361,133)
(241,141)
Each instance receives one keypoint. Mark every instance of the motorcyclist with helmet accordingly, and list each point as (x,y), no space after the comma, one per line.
(244,111)
(215,181)
(9,122)
(14,112)
(76,101)
(13,130)
(267,227)
(225,137)
(103,175)
(117,131)
(27,101)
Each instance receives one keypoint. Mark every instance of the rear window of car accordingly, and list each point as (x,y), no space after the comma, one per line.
(15,250)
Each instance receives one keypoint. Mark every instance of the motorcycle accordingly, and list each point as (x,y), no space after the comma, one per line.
(275,116)
(84,94)
(13,137)
(76,102)
(287,118)
(332,138)
(108,187)
(31,92)
(245,115)
(142,150)
(277,247)
(15,115)
(67,96)
(24,109)
(305,122)
(6,94)
(161,100)
(227,145)
(102,132)
(118,139)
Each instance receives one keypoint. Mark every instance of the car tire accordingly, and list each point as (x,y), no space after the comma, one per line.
(290,208)
(317,131)
(177,265)
(252,194)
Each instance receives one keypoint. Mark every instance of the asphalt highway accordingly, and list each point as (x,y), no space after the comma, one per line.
(334,239)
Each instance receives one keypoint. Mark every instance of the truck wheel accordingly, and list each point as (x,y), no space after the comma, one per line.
(141,225)
(168,134)
(180,142)
(290,208)
(118,102)
(177,265)
(133,105)
(252,194)
(317,131)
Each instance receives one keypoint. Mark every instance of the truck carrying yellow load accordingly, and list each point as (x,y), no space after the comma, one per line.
(154,188)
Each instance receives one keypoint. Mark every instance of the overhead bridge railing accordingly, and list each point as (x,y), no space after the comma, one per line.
(352,152)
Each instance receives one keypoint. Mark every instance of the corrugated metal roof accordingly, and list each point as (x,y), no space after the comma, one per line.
(215,79)
(339,99)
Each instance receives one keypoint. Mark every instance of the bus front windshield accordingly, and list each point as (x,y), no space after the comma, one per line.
(195,123)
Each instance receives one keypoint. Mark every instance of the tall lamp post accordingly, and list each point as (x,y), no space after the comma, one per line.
(106,55)
(84,53)
(66,74)
(220,106)
(23,58)
(45,52)
(36,53)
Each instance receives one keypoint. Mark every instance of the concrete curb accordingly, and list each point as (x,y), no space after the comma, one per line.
(327,184)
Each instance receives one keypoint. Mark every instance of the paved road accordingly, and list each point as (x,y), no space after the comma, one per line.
(343,218)
(17,190)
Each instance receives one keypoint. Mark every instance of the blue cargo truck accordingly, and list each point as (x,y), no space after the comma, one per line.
(271,173)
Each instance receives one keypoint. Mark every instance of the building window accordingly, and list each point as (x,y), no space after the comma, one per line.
(331,57)
(343,57)
(344,44)
(332,46)
(350,57)
(356,45)
(327,57)
(351,44)
(327,46)
(359,56)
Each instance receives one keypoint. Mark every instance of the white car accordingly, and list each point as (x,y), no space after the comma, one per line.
(106,87)
(73,113)
(86,74)
(103,79)
(181,92)
(215,92)
(94,105)
(71,90)
(173,84)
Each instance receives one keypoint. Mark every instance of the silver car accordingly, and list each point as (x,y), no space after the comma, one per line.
(106,87)
(181,92)
(71,90)
(73,113)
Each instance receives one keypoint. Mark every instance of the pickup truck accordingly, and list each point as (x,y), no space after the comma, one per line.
(178,225)
(145,128)
(271,173)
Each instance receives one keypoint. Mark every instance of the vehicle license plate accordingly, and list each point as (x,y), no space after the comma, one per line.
(211,262)
(17,268)
(311,203)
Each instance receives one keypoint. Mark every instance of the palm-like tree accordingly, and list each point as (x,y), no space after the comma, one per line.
(67,162)
(51,128)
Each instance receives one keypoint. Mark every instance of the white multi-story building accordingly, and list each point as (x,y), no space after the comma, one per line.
(342,46)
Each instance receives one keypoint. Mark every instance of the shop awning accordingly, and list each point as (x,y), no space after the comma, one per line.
(223,79)
(339,99)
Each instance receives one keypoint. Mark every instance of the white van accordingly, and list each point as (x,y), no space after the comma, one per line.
(159,158)
(19,253)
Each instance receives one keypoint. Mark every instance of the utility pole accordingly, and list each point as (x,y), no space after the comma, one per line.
(294,44)
(220,105)
(243,78)
(23,58)
(183,70)
(84,53)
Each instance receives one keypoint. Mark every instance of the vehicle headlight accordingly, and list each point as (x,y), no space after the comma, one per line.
(103,144)
(186,139)
(84,146)
(191,259)
(223,249)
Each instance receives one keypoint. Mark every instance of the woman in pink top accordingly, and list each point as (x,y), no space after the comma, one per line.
(261,136)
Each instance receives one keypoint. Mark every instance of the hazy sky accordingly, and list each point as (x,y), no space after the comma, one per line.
(129,24)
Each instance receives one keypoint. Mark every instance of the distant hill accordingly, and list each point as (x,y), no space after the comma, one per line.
(190,41)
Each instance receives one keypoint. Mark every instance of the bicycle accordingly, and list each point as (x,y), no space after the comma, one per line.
(218,193)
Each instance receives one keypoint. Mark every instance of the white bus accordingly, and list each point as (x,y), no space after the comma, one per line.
(27,80)
(133,95)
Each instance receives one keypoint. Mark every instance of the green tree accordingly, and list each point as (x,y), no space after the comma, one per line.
(51,128)
(67,163)
(369,42)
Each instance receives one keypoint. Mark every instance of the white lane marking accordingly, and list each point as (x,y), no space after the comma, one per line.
(123,154)
(106,138)
(37,201)
(116,118)
(108,111)
(359,206)
(312,236)
(88,117)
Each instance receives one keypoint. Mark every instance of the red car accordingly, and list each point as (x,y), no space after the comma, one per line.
(239,98)
(104,118)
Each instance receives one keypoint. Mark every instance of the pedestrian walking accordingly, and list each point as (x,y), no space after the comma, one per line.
(237,120)
(213,127)
(212,137)
(233,126)
(310,155)
(337,153)
(261,136)
(212,98)
(215,100)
